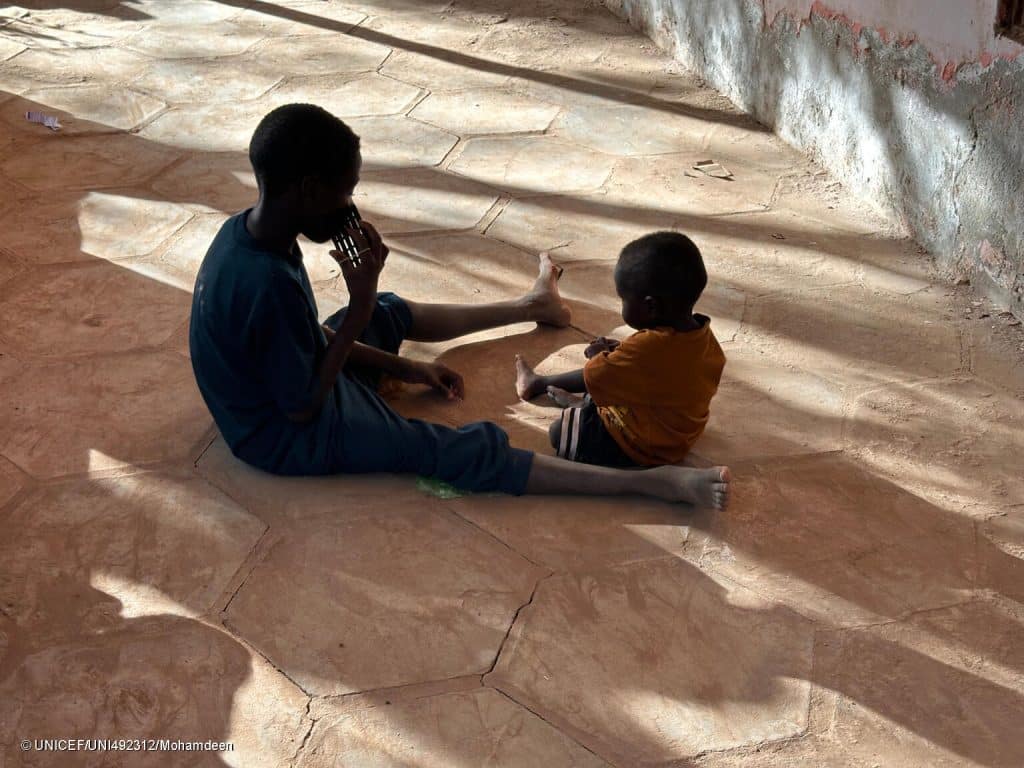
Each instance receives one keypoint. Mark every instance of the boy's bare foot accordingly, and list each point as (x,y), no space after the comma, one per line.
(528,383)
(544,302)
(565,398)
(706,488)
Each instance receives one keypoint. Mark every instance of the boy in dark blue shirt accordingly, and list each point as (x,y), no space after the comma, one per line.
(292,397)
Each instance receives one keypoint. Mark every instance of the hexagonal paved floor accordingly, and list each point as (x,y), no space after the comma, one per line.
(860,603)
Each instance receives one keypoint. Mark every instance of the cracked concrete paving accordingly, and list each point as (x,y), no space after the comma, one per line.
(860,604)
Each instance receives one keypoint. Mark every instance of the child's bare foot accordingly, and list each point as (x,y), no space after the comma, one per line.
(528,383)
(706,488)
(543,301)
(564,398)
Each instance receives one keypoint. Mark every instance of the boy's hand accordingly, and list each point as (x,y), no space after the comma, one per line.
(362,279)
(440,377)
(597,346)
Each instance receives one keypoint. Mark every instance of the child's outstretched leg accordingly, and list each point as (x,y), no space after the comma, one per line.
(708,488)
(530,384)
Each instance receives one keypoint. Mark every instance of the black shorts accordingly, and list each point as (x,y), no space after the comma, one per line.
(580,435)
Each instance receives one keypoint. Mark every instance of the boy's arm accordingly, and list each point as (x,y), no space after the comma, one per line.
(436,375)
(339,350)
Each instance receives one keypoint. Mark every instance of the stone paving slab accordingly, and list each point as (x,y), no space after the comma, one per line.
(576,534)
(163,542)
(11,481)
(174,40)
(480,111)
(84,108)
(323,54)
(51,32)
(437,73)
(280,500)
(670,183)
(101,413)
(9,48)
(91,321)
(628,130)
(10,266)
(942,688)
(55,162)
(71,227)
(219,181)
(391,596)
(957,442)
(270,22)
(293,19)
(153,677)
(656,662)
(799,411)
(574,228)
(995,351)
(235,79)
(179,259)
(542,45)
(897,552)
(422,199)
(534,165)
(35,68)
(399,142)
(1001,552)
(807,329)
(356,96)
(490,728)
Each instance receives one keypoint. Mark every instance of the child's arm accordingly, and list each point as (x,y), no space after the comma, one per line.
(599,345)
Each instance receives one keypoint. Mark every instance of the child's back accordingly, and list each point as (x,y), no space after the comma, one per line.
(653,392)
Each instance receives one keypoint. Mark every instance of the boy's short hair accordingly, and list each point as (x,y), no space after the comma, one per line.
(662,264)
(298,140)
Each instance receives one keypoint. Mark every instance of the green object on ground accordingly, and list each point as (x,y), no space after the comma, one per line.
(437,488)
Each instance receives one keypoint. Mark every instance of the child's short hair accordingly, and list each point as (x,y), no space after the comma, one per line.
(297,140)
(663,264)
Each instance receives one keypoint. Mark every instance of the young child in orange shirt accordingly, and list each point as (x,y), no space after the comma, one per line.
(647,397)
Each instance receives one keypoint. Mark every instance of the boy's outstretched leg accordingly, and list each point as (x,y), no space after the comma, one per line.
(708,488)
(541,304)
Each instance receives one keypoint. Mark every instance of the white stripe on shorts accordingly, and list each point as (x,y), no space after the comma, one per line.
(569,440)
(563,437)
(574,440)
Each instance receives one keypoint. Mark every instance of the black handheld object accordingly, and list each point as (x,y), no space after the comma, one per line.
(344,242)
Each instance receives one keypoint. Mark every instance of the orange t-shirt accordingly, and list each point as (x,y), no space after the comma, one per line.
(654,390)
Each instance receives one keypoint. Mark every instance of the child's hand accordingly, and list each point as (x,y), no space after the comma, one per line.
(597,346)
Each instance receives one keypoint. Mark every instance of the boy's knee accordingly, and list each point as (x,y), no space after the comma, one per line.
(555,433)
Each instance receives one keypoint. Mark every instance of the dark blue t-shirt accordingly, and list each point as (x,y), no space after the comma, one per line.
(256,346)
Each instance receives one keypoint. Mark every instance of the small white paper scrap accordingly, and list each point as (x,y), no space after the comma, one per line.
(49,121)
(711,168)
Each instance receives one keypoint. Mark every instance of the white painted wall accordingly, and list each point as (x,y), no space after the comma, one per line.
(953,31)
